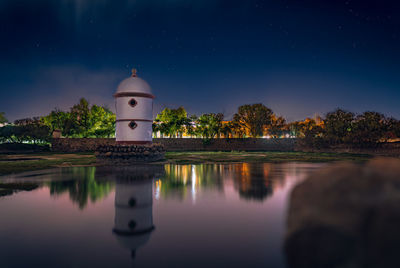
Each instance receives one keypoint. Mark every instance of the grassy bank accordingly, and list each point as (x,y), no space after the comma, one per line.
(29,162)
(262,157)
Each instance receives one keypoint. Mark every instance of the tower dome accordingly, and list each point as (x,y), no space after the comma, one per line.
(134,111)
(134,84)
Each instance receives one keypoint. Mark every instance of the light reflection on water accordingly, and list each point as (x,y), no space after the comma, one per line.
(149,216)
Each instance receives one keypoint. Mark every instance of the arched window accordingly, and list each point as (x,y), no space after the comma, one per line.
(132,102)
(132,124)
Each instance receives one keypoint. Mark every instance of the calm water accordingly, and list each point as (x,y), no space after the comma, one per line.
(158,216)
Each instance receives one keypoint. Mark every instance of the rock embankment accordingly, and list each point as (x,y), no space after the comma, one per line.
(346,215)
(128,154)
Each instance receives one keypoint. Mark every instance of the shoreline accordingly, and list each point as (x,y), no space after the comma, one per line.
(16,163)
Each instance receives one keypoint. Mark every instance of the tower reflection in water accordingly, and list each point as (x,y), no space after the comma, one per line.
(134,205)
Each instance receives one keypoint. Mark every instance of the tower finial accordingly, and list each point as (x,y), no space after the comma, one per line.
(134,72)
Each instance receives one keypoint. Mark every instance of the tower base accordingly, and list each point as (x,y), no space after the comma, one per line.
(126,154)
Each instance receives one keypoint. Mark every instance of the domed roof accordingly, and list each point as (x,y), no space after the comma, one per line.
(133,242)
(134,84)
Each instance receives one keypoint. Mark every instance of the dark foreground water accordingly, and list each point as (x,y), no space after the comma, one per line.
(158,216)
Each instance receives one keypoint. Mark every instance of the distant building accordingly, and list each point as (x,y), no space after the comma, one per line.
(134,111)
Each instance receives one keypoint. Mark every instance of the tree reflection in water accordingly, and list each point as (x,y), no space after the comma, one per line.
(187,180)
(253,181)
(82,186)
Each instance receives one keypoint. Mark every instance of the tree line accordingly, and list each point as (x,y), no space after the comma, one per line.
(81,121)
(257,120)
(254,120)
(338,127)
(251,120)
(362,130)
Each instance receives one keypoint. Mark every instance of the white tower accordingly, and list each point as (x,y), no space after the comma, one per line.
(134,111)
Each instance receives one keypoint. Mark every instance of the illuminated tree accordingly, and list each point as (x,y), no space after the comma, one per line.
(9,133)
(190,128)
(79,121)
(209,125)
(227,130)
(171,122)
(253,118)
(278,126)
(56,120)
(3,119)
(102,122)
(302,129)
(238,130)
(30,130)
(82,121)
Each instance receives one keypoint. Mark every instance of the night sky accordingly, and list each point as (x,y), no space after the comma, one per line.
(297,57)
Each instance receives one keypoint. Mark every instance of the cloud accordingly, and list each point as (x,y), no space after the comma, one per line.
(46,88)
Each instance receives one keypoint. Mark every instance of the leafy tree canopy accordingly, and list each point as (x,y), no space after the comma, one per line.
(82,120)
(3,118)
(338,124)
(209,125)
(254,118)
(171,122)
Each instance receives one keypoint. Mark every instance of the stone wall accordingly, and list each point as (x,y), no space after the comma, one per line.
(383,149)
(90,144)
(249,144)
(72,145)
(122,154)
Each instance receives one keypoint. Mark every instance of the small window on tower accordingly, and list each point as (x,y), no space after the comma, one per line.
(132,102)
(132,124)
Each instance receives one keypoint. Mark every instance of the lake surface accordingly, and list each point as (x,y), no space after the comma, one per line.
(207,215)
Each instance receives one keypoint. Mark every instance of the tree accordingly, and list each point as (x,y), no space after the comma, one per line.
(300,129)
(227,130)
(82,121)
(190,125)
(338,125)
(368,129)
(171,122)
(209,125)
(238,130)
(393,128)
(56,120)
(8,134)
(253,118)
(30,130)
(102,122)
(3,118)
(278,127)
(79,122)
